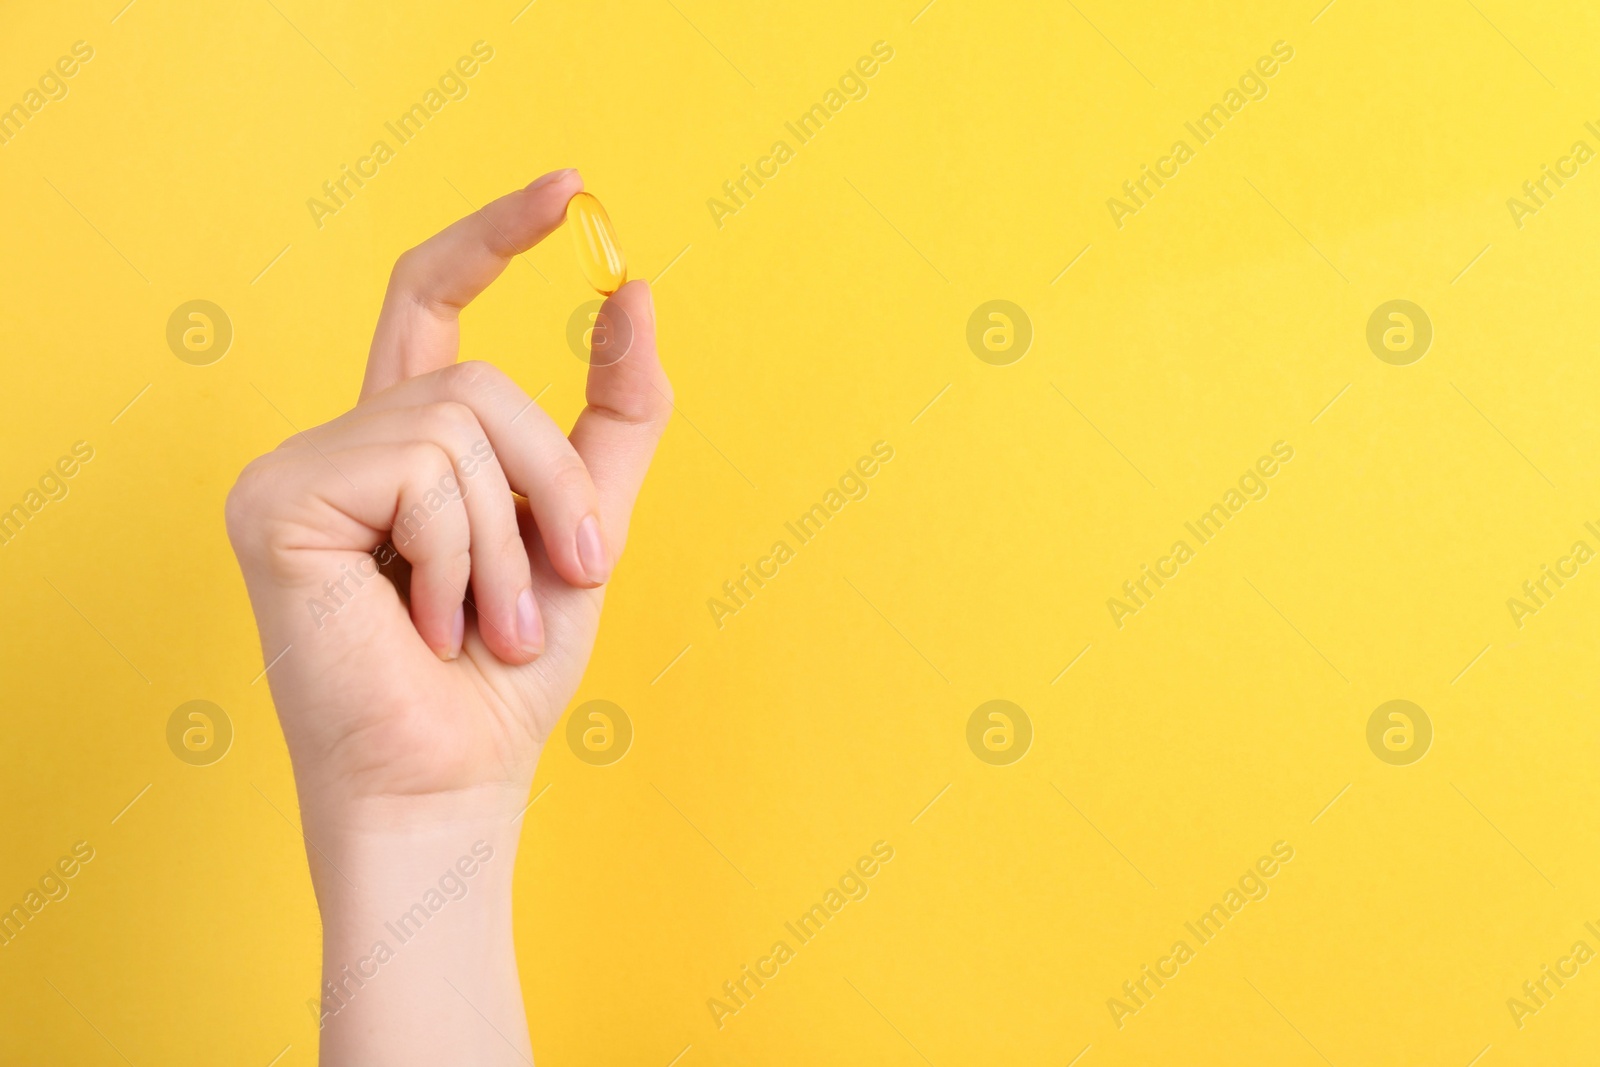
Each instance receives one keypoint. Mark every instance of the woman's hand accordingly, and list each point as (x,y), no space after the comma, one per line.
(415,701)
(458,689)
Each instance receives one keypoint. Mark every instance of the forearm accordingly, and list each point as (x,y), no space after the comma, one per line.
(418,963)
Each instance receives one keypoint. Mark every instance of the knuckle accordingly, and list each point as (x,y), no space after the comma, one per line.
(660,401)
(473,377)
(641,403)
(514,551)
(455,563)
(405,267)
(451,420)
(430,462)
(457,558)
(570,478)
(251,499)
(261,516)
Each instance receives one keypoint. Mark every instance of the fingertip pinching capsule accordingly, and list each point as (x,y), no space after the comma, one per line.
(594,239)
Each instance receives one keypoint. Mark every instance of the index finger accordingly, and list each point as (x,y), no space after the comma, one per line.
(417,329)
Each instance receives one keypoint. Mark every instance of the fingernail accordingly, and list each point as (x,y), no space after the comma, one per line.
(530,629)
(548,179)
(592,551)
(458,632)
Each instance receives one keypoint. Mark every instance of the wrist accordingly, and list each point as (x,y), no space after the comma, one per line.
(415,895)
(388,843)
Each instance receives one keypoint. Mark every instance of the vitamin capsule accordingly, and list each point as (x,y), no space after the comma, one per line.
(599,254)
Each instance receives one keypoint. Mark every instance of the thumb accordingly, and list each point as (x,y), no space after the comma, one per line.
(630,401)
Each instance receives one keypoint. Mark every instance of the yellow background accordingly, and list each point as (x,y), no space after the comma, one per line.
(826,715)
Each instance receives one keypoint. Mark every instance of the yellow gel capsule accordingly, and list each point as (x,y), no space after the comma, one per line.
(601,258)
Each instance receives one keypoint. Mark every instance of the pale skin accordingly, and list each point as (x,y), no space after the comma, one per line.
(414,723)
